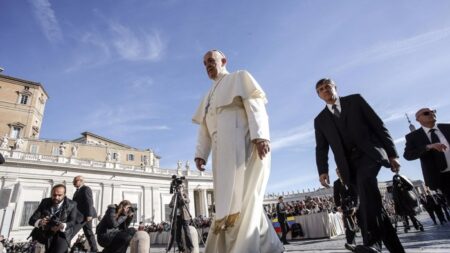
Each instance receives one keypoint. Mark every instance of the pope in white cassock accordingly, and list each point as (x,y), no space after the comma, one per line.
(234,128)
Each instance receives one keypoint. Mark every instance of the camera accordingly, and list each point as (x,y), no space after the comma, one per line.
(132,209)
(53,220)
(176,181)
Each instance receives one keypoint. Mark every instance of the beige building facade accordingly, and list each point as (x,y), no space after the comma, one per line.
(113,170)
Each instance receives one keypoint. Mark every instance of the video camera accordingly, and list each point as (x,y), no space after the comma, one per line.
(176,181)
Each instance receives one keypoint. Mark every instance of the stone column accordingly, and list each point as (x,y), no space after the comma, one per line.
(147,205)
(156,207)
(106,198)
(205,203)
(191,202)
(117,194)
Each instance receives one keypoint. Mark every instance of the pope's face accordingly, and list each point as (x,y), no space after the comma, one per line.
(214,64)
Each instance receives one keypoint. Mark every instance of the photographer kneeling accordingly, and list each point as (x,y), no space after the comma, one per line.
(113,233)
(54,220)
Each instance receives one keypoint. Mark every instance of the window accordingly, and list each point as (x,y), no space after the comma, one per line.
(28,209)
(116,156)
(15,132)
(23,99)
(34,149)
(130,157)
(55,151)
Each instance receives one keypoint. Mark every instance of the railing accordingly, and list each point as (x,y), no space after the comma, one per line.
(19,155)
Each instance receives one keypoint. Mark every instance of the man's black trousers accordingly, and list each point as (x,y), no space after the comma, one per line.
(375,223)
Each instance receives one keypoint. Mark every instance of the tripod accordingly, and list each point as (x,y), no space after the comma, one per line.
(174,229)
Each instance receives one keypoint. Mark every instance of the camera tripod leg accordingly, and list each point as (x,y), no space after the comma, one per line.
(172,235)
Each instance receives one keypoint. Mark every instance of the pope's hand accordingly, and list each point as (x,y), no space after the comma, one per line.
(200,163)
(263,147)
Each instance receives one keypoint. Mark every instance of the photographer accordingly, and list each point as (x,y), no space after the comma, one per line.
(282,219)
(346,199)
(113,233)
(54,220)
(181,219)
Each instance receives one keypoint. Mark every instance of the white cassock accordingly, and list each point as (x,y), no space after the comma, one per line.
(230,116)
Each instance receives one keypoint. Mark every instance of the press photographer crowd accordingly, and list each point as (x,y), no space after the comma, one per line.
(58,219)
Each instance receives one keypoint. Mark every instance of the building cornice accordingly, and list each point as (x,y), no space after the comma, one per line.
(25,82)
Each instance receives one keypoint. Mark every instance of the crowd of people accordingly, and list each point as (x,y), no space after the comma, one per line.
(301,207)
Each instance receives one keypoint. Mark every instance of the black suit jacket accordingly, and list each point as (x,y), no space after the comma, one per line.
(367,130)
(69,215)
(85,202)
(415,148)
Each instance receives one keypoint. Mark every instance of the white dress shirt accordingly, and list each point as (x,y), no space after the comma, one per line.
(443,141)
(338,105)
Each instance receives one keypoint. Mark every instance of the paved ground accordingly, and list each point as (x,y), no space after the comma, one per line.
(435,239)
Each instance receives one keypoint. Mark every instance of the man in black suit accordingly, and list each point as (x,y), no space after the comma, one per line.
(361,144)
(85,204)
(430,144)
(346,201)
(282,219)
(55,219)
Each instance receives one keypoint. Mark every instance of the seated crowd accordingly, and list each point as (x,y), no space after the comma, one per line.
(302,207)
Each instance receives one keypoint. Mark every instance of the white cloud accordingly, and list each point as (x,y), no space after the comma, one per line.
(290,182)
(47,20)
(118,43)
(300,135)
(399,140)
(395,48)
(142,82)
(133,46)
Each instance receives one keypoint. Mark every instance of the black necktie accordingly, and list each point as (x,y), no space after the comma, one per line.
(336,111)
(441,162)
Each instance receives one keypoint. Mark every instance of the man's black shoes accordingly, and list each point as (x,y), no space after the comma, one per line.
(366,249)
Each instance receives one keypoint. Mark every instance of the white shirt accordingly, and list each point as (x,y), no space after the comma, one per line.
(443,141)
(338,105)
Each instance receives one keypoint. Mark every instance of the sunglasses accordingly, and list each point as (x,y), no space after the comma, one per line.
(429,112)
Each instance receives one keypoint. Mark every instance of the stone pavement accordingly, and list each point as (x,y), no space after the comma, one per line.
(435,239)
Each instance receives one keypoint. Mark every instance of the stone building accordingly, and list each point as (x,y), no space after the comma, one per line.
(113,170)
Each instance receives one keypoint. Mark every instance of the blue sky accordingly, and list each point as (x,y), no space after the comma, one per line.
(132,70)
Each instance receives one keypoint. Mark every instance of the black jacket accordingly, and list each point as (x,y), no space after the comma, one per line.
(2,159)
(415,148)
(85,203)
(109,226)
(68,214)
(344,197)
(367,131)
(405,199)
